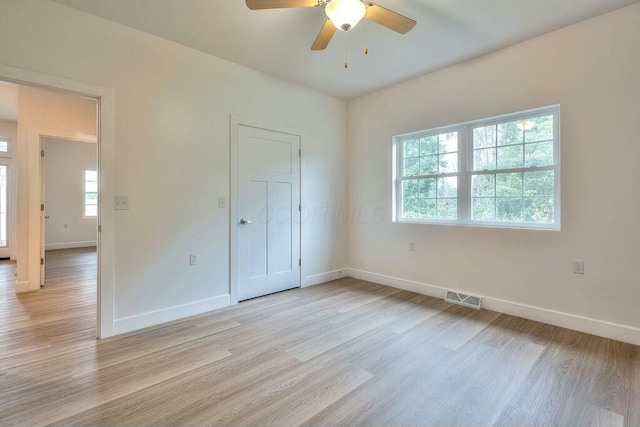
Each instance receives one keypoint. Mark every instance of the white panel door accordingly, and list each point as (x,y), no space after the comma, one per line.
(269,219)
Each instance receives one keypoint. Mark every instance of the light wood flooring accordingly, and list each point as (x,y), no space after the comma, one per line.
(344,353)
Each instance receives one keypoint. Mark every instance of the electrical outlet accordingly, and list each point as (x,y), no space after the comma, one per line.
(222,202)
(578,267)
(121,203)
(412,246)
(193,259)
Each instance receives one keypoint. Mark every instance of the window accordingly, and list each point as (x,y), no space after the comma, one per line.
(4,145)
(90,193)
(502,172)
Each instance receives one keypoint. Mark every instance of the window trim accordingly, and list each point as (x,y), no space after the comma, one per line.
(85,192)
(465,171)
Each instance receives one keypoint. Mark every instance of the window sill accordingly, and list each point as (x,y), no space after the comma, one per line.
(512,226)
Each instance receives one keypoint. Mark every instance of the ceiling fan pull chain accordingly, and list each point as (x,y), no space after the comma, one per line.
(346,50)
(366,38)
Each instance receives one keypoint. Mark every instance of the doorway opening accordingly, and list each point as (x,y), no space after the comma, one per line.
(49,216)
(69,223)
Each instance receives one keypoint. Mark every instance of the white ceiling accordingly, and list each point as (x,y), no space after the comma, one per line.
(8,101)
(278,42)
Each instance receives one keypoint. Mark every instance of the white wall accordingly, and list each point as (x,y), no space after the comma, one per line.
(592,70)
(41,112)
(8,102)
(172,123)
(66,161)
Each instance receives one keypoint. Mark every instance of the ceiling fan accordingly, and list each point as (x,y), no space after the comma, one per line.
(341,15)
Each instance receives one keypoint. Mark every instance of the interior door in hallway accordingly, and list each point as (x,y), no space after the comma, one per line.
(268,209)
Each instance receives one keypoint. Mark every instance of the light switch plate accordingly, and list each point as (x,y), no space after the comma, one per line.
(222,202)
(121,203)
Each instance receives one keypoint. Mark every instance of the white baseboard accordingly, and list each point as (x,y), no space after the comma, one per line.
(70,245)
(317,279)
(25,287)
(157,317)
(601,328)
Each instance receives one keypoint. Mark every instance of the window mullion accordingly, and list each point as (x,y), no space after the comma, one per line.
(464,184)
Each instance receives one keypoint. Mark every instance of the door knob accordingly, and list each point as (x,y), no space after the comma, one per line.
(245,222)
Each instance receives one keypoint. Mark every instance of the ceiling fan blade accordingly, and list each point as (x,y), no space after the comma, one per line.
(280,4)
(324,36)
(388,18)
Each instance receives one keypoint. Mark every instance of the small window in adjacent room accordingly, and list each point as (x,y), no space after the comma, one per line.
(498,172)
(4,145)
(90,193)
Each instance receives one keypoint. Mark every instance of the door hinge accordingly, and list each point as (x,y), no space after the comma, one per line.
(99,229)
(299,262)
(299,207)
(300,152)
(41,261)
(42,207)
(41,153)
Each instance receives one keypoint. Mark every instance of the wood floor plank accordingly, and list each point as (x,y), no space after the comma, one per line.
(347,352)
(632,413)
(55,401)
(580,413)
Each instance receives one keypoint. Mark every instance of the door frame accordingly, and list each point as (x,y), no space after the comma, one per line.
(105,100)
(234,191)
(42,135)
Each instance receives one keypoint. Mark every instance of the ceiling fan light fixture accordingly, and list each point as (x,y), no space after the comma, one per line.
(345,14)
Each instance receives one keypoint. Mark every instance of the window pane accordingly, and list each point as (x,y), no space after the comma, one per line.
(484,137)
(91,210)
(410,148)
(483,186)
(428,165)
(411,166)
(90,175)
(448,142)
(484,209)
(448,187)
(511,157)
(509,209)
(539,154)
(539,129)
(427,188)
(410,189)
(91,199)
(484,159)
(447,209)
(539,209)
(509,184)
(410,208)
(4,145)
(91,186)
(429,145)
(539,183)
(428,209)
(510,133)
(449,163)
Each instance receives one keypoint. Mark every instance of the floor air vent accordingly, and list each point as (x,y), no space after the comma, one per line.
(462,299)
